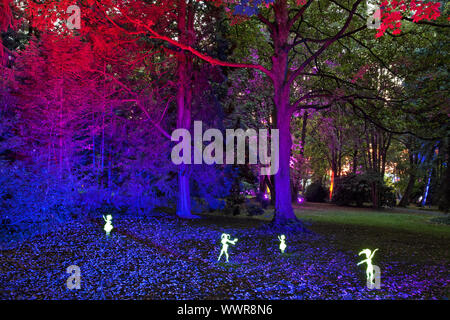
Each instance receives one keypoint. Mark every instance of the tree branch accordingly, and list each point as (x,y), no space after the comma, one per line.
(329,42)
(300,12)
(211,60)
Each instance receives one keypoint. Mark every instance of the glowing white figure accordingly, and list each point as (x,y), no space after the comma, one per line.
(108,225)
(282,239)
(368,260)
(225,241)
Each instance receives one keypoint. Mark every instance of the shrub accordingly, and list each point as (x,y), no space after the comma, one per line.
(356,189)
(32,202)
(315,192)
(387,196)
(351,189)
(254,209)
(215,204)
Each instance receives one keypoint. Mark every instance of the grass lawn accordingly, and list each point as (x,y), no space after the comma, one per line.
(390,218)
(409,235)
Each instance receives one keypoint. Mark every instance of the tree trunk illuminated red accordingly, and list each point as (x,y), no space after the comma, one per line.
(184,102)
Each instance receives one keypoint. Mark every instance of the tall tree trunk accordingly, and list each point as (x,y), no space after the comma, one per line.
(444,187)
(295,189)
(262,188)
(183,121)
(375,195)
(110,159)
(61,106)
(273,193)
(413,159)
(93,143)
(331,184)
(297,185)
(283,199)
(355,161)
(409,188)
(102,159)
(304,126)
(283,113)
(184,102)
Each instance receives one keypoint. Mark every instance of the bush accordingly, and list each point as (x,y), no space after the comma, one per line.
(387,196)
(254,209)
(315,192)
(264,203)
(33,202)
(215,204)
(356,189)
(351,189)
(199,205)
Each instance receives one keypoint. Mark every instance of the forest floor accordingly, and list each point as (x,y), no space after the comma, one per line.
(168,258)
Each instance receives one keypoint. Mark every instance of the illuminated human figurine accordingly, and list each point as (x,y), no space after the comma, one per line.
(368,260)
(108,225)
(225,241)
(282,239)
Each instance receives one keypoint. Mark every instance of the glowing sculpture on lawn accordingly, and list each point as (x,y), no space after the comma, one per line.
(368,260)
(225,241)
(108,225)
(282,239)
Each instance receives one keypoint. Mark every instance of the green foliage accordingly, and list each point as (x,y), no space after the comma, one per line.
(352,189)
(387,196)
(357,188)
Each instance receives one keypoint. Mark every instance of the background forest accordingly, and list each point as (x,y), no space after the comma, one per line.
(86,114)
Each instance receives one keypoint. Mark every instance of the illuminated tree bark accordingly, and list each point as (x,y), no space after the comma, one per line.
(184,101)
(6,19)
(283,113)
(282,78)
